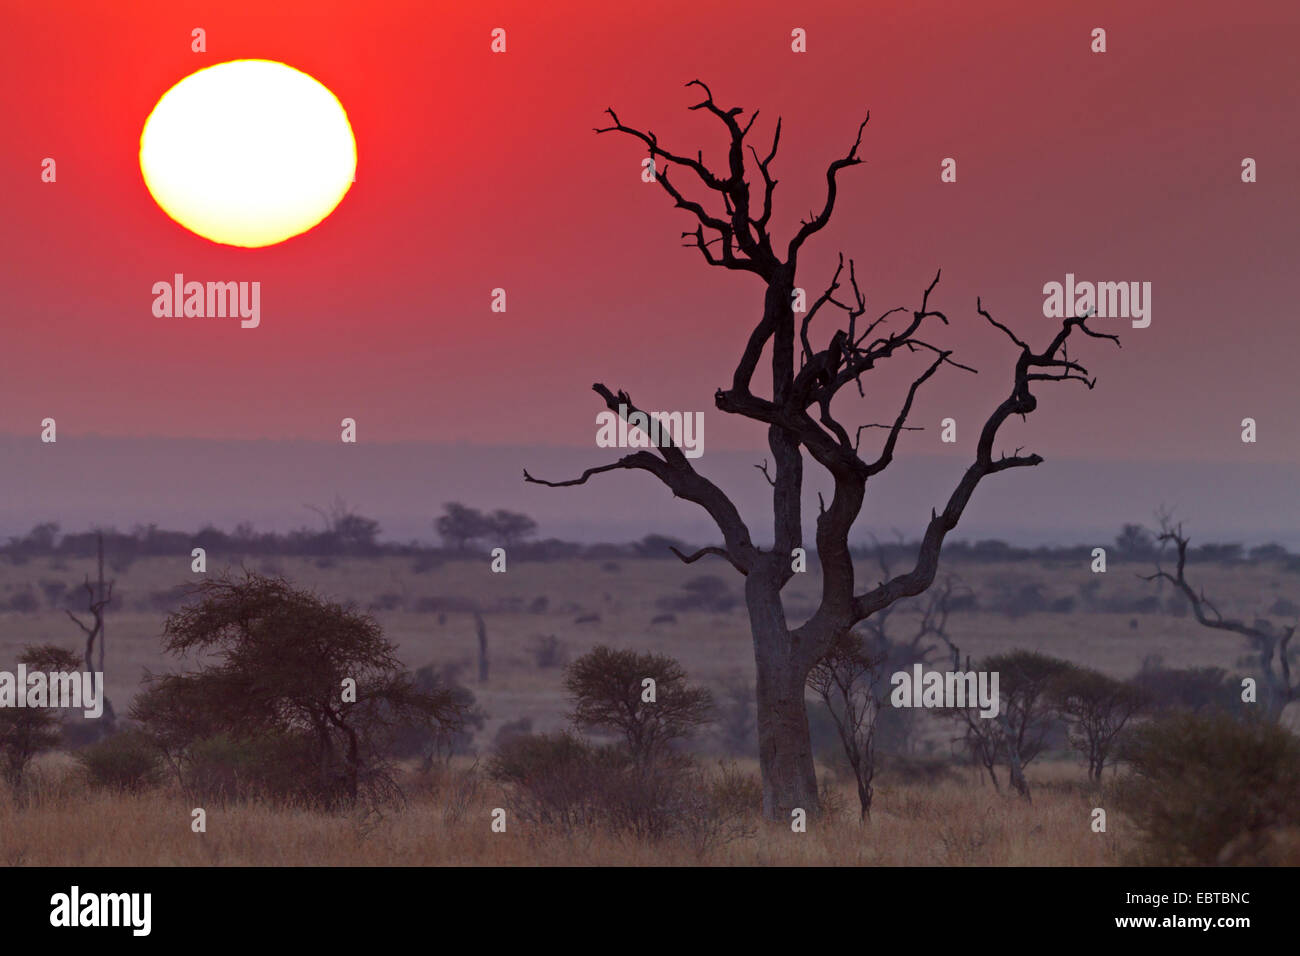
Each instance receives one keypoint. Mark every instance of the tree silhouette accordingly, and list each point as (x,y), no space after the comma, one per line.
(1269,641)
(799,420)
(28,731)
(272,662)
(608,693)
(461,525)
(511,527)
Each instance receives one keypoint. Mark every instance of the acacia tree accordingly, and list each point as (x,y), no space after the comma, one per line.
(272,663)
(1098,707)
(608,691)
(1026,681)
(28,731)
(461,525)
(797,412)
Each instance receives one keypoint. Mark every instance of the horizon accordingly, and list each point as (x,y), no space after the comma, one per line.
(184,482)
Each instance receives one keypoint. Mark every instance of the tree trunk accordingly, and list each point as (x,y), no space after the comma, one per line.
(481,629)
(784,742)
(1015,767)
(100,537)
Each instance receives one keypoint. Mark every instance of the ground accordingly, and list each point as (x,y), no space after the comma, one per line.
(426,611)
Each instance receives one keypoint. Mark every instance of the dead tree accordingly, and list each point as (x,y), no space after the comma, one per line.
(96,602)
(1270,642)
(901,653)
(797,413)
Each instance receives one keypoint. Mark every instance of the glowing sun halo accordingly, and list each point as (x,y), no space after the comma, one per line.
(248,153)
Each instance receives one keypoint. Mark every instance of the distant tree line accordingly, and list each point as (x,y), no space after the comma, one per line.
(466,530)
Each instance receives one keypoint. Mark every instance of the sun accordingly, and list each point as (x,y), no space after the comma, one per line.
(248,153)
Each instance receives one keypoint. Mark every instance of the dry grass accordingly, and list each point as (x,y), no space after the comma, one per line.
(447,822)
(953,823)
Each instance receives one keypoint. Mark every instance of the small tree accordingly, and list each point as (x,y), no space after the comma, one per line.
(510,527)
(1135,541)
(346,531)
(276,660)
(28,731)
(846,679)
(985,739)
(461,525)
(1025,679)
(609,692)
(1097,707)
(989,738)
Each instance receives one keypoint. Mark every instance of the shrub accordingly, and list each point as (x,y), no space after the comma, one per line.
(1192,689)
(562,780)
(124,761)
(704,593)
(736,792)
(926,771)
(1198,781)
(275,767)
(1018,599)
(389,601)
(436,742)
(512,729)
(553,778)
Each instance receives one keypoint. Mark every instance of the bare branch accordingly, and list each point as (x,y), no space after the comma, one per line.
(815,223)
(712,549)
(675,471)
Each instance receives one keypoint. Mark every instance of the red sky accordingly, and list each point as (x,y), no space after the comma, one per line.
(479,170)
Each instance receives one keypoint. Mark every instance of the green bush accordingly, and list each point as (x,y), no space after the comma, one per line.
(1197,781)
(122,761)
